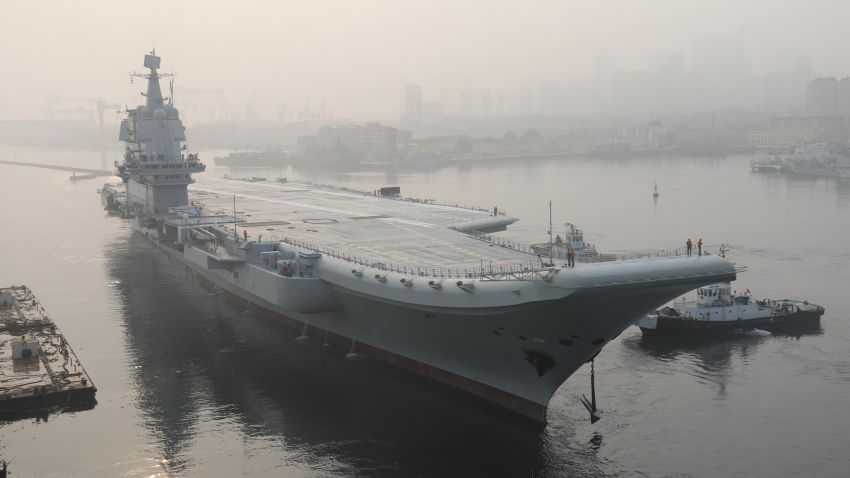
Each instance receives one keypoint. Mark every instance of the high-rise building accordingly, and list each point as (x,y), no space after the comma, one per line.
(822,97)
(468,105)
(486,103)
(412,103)
(500,104)
(720,71)
(432,111)
(843,106)
(526,102)
(549,99)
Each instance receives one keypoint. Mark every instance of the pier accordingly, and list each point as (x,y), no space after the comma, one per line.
(38,369)
(86,172)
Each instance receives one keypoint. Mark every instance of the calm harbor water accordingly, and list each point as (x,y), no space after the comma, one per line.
(188,385)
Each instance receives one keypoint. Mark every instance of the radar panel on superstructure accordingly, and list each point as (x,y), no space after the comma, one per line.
(152,62)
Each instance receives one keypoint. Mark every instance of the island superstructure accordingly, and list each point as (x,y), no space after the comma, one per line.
(155,169)
(413,283)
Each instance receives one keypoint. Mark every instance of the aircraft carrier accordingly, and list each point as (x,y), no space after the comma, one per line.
(413,283)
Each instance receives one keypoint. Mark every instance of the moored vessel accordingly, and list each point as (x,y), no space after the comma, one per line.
(40,372)
(257,159)
(768,164)
(772,162)
(816,159)
(412,283)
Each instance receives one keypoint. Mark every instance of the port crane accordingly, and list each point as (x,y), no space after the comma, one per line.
(101,106)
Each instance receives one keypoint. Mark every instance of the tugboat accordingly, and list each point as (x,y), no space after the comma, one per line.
(717,310)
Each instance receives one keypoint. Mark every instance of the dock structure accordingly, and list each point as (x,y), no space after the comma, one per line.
(38,369)
(86,173)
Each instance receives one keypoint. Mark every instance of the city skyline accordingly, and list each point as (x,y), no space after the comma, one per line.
(293,59)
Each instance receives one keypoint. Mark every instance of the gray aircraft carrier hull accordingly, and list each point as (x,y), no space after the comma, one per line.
(513,356)
(405,280)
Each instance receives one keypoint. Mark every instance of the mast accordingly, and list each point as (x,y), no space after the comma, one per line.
(154,93)
(551,262)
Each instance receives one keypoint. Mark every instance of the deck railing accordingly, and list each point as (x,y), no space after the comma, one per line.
(519,270)
(560,253)
(535,268)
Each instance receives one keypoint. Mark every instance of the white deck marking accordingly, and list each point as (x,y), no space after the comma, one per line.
(314,206)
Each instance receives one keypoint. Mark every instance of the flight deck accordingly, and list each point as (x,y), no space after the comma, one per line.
(393,230)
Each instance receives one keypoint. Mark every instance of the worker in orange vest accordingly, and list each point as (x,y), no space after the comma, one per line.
(689,245)
(699,246)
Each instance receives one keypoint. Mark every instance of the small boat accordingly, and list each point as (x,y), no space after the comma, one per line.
(717,309)
(573,239)
(768,164)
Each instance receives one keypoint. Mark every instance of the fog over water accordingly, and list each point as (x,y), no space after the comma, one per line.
(584,105)
(191,386)
(354,58)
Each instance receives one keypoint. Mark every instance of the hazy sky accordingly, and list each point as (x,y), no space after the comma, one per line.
(356,55)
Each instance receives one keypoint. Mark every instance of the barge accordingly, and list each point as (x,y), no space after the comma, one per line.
(38,369)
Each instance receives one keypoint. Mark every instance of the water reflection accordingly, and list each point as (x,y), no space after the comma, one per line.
(43,414)
(711,354)
(203,368)
(710,358)
(714,353)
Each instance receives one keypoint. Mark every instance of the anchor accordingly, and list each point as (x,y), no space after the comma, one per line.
(590,405)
